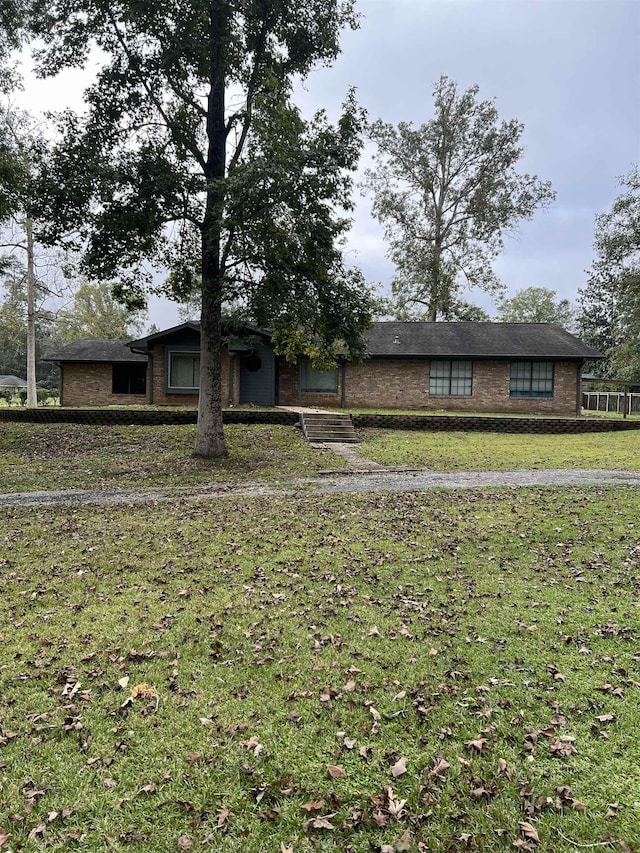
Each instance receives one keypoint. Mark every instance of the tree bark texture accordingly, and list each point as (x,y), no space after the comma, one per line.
(32,392)
(210,441)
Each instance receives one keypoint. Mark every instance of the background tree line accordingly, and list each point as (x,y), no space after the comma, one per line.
(71,312)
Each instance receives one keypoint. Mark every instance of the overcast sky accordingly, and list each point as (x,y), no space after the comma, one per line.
(568,69)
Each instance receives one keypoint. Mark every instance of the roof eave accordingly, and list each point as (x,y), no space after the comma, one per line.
(492,356)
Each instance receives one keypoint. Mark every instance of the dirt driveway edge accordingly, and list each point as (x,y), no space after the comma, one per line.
(332,483)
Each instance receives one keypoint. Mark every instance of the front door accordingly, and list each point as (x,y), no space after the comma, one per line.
(258,376)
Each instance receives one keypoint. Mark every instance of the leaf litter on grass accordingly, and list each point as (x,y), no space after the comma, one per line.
(318,732)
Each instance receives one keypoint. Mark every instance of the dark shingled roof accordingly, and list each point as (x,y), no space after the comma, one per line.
(475,340)
(392,340)
(95,350)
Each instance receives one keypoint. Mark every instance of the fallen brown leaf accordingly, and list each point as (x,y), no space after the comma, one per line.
(314,806)
(404,844)
(322,823)
(528,831)
(37,830)
(336,771)
(479,744)
(399,767)
(438,771)
(223,816)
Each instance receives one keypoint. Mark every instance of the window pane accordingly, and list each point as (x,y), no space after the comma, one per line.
(312,379)
(184,370)
(439,377)
(460,369)
(542,370)
(439,386)
(521,370)
(440,369)
(531,379)
(129,379)
(461,374)
(461,386)
(450,378)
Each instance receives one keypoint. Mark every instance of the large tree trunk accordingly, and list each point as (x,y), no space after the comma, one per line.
(210,437)
(32,392)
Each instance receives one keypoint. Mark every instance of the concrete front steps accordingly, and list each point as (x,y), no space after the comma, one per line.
(320,427)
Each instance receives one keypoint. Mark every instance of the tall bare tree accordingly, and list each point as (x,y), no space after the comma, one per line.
(446,193)
(21,152)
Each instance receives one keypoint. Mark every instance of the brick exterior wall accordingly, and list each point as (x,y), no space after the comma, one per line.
(374,383)
(90,385)
(404,384)
(288,375)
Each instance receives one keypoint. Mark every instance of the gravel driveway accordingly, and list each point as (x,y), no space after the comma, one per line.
(371,480)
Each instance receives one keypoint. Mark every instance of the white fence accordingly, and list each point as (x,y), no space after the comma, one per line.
(610,401)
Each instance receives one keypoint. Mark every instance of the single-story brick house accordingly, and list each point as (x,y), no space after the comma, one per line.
(466,366)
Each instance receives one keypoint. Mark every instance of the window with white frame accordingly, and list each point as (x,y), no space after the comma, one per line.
(183,371)
(531,379)
(312,379)
(451,378)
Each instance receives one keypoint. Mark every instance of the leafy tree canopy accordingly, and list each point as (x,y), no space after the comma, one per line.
(95,313)
(445,193)
(12,31)
(609,304)
(536,305)
(14,171)
(22,154)
(192,157)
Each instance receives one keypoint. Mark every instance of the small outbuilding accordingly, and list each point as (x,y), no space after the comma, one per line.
(12,383)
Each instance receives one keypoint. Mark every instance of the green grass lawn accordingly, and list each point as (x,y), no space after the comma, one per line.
(59,456)
(441,672)
(62,456)
(480,451)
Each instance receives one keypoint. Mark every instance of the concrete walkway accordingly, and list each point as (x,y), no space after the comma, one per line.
(357,462)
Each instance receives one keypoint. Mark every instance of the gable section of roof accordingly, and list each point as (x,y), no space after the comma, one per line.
(239,338)
(475,340)
(189,329)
